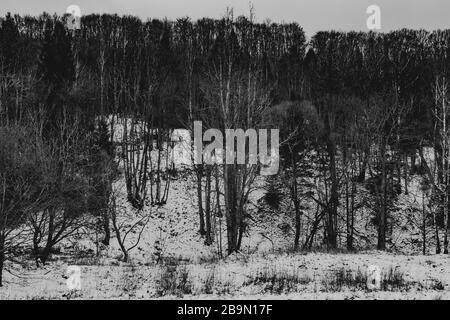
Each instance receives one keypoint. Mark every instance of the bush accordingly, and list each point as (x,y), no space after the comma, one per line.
(337,280)
(342,278)
(273,196)
(174,280)
(22,183)
(279,281)
(393,280)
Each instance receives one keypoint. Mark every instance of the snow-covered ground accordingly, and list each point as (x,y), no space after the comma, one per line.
(172,260)
(309,276)
(188,268)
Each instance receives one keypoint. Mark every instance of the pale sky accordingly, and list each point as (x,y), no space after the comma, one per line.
(312,15)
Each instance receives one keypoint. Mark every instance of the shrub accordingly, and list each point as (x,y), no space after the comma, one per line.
(342,278)
(174,280)
(273,196)
(279,281)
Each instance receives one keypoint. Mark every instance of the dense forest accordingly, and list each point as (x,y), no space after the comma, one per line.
(361,115)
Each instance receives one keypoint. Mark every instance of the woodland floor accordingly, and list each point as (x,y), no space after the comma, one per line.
(172,261)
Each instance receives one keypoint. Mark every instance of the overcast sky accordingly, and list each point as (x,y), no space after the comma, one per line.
(312,15)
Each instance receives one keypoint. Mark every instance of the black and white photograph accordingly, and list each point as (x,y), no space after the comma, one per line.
(226,150)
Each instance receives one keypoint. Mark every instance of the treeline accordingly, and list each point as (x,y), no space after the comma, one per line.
(367,105)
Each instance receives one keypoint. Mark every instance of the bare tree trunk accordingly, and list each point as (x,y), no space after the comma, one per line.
(363,167)
(2,257)
(209,238)
(446,226)
(348,209)
(230,205)
(424,234)
(405,172)
(334,197)
(445,162)
(199,172)
(50,241)
(106,227)
(436,234)
(382,209)
(352,218)
(294,195)
(298,214)
(219,213)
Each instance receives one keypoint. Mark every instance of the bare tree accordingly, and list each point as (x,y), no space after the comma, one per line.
(66,169)
(22,187)
(438,174)
(124,228)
